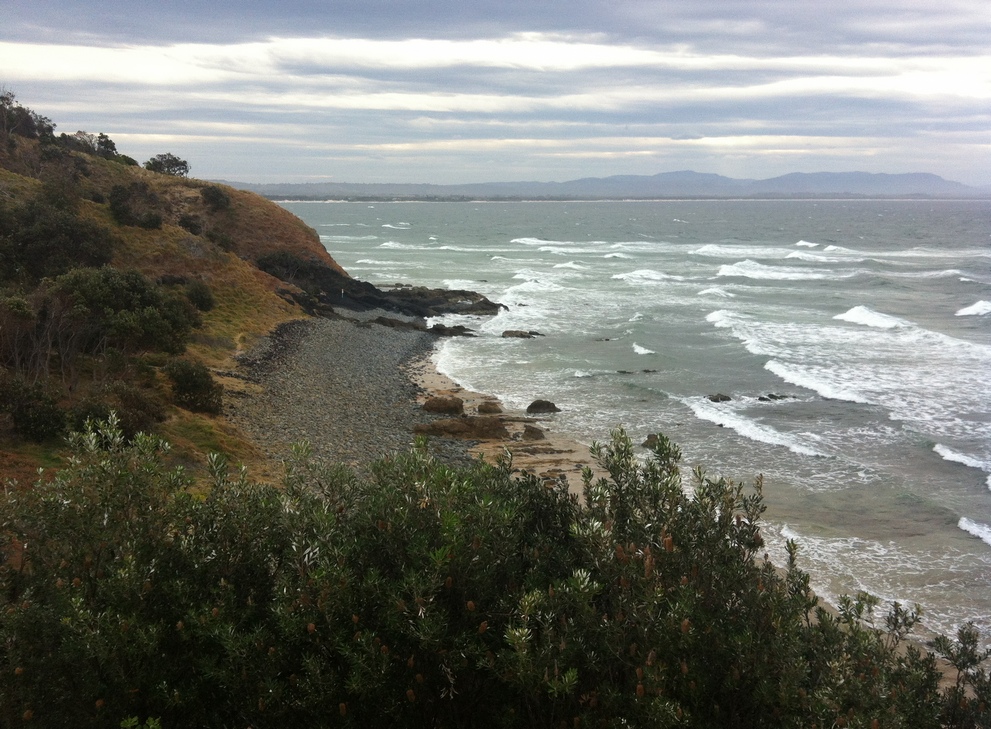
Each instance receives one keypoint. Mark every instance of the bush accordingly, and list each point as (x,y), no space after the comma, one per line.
(427,596)
(168,164)
(35,414)
(137,410)
(200,295)
(215,198)
(193,386)
(190,224)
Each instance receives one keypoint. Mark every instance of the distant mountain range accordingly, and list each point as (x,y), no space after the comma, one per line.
(684,184)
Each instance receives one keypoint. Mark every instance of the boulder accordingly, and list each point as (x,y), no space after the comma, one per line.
(720,397)
(542,406)
(489,407)
(651,441)
(532,432)
(468,428)
(445,405)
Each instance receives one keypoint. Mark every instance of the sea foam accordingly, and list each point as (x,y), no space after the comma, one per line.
(746,427)
(752,269)
(948,454)
(981,531)
(870,318)
(979,309)
(642,350)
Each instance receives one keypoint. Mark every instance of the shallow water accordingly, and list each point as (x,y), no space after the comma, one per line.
(871,318)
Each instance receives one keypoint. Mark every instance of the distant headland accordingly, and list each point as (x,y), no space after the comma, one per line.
(666,185)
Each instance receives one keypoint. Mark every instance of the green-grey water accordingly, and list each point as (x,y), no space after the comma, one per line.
(868,321)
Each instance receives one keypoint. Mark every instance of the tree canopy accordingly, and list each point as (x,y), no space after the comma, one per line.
(168,164)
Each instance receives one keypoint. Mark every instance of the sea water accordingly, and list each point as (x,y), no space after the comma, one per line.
(852,337)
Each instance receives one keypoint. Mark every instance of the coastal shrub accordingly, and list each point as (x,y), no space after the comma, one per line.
(200,295)
(215,198)
(193,387)
(35,414)
(168,164)
(40,238)
(135,204)
(424,595)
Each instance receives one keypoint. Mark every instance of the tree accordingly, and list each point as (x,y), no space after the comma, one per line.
(168,164)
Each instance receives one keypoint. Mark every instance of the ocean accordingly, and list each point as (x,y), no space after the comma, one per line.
(852,337)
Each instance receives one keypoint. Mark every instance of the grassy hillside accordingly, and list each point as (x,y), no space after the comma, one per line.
(68,204)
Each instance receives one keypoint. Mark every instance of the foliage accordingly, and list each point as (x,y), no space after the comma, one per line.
(46,237)
(19,120)
(193,387)
(429,596)
(200,295)
(168,164)
(215,198)
(35,414)
(135,204)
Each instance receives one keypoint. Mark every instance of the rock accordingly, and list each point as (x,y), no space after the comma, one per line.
(470,428)
(720,397)
(532,432)
(542,406)
(651,441)
(489,407)
(520,334)
(458,330)
(445,405)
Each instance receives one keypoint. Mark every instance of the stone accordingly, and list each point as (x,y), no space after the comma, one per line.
(542,406)
(468,428)
(720,397)
(445,405)
(520,334)
(532,432)
(489,407)
(651,441)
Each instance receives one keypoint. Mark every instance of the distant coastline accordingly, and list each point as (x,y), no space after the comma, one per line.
(685,185)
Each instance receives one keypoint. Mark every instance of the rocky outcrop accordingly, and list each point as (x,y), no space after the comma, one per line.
(520,334)
(446,405)
(539,407)
(489,407)
(532,432)
(720,397)
(469,428)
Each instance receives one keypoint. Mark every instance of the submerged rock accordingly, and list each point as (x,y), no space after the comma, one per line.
(720,397)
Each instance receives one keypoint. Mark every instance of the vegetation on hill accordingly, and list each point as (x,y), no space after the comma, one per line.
(118,282)
(134,593)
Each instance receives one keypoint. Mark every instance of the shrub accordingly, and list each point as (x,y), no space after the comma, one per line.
(191,224)
(35,414)
(425,595)
(215,198)
(193,386)
(200,295)
(168,164)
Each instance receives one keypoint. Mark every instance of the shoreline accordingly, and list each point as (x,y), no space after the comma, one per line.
(355,389)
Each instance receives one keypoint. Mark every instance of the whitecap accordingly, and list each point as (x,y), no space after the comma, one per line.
(806,244)
(870,318)
(752,269)
(373,262)
(746,427)
(804,378)
(716,291)
(636,317)
(714,250)
(646,276)
(840,249)
(571,264)
(400,226)
(616,255)
(817,258)
(642,350)
(979,309)
(981,531)
(948,454)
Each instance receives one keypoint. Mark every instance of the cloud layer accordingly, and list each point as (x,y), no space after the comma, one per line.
(441,92)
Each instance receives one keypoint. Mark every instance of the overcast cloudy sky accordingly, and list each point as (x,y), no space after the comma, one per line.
(476,90)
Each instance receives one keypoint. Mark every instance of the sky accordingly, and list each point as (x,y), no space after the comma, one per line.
(454,91)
